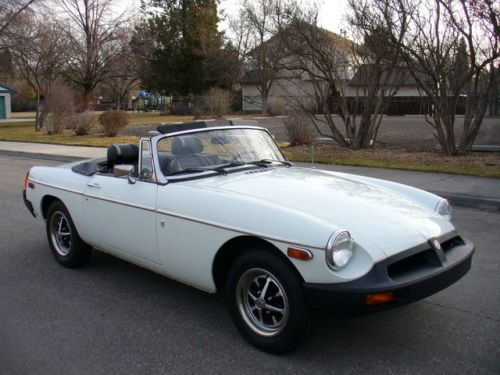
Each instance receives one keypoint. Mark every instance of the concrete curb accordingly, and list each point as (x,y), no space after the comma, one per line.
(457,200)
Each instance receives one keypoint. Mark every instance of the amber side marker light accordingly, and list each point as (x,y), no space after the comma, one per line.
(27,183)
(299,254)
(379,298)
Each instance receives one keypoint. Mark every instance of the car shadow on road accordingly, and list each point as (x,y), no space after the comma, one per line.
(208,311)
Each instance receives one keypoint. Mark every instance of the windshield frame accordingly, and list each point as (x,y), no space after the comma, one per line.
(163,180)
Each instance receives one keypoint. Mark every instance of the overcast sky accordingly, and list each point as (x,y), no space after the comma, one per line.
(331,11)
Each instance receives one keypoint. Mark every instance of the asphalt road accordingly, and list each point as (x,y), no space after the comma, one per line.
(112,317)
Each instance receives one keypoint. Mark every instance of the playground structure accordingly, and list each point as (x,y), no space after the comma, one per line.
(151,101)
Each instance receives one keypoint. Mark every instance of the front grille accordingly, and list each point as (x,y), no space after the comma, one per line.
(425,260)
(451,243)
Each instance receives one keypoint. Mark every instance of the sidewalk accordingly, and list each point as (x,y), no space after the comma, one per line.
(463,191)
(44,149)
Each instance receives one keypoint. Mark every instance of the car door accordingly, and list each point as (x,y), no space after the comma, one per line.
(120,214)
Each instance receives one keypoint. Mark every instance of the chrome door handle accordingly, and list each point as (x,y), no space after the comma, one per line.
(94,185)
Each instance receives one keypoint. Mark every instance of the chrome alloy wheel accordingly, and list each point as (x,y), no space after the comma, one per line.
(60,233)
(262,302)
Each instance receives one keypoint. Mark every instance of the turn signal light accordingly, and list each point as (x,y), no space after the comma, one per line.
(299,253)
(379,298)
(27,183)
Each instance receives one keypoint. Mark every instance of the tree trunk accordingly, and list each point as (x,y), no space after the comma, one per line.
(37,116)
(84,106)
(264,107)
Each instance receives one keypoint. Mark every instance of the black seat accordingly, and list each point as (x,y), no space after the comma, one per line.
(186,151)
(122,154)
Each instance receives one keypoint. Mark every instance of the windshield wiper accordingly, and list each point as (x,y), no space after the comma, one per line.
(222,168)
(267,162)
(192,170)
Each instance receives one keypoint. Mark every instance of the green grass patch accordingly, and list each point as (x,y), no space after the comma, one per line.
(25,132)
(444,167)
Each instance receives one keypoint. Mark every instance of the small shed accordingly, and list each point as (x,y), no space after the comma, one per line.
(5,106)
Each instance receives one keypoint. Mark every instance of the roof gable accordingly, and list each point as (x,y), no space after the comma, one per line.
(6,90)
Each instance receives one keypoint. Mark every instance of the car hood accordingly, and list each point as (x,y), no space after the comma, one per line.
(391,221)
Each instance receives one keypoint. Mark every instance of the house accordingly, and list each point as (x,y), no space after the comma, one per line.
(5,102)
(287,86)
(291,88)
(398,84)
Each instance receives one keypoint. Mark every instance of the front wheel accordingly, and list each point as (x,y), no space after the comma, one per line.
(65,243)
(266,302)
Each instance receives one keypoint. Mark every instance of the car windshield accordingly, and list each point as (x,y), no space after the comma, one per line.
(217,150)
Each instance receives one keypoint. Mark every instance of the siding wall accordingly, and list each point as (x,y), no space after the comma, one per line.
(292,92)
(7,102)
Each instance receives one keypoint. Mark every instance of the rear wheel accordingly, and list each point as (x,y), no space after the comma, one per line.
(65,243)
(267,302)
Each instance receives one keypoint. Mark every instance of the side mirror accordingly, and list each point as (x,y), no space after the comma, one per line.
(131,179)
(125,170)
(121,170)
(146,173)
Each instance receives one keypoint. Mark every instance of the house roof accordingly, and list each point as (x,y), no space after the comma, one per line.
(252,76)
(6,90)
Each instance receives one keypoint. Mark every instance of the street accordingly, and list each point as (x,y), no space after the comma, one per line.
(113,317)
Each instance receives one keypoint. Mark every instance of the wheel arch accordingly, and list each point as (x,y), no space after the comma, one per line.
(45,203)
(234,248)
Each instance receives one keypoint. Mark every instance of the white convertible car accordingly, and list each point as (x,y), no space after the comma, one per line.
(222,208)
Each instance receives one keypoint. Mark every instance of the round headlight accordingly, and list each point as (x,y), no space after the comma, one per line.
(339,250)
(443,207)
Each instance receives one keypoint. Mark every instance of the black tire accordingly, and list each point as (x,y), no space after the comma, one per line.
(271,331)
(68,249)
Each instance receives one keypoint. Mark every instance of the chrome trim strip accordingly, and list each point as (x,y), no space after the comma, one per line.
(160,136)
(234,229)
(334,236)
(188,218)
(56,187)
(139,172)
(132,205)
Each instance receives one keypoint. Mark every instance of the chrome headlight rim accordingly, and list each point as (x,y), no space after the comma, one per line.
(443,208)
(335,240)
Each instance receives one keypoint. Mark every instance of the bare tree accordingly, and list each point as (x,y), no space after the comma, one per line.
(39,50)
(254,29)
(94,35)
(123,74)
(451,49)
(478,24)
(10,10)
(344,85)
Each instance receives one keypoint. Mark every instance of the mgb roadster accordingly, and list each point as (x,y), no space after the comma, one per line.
(221,208)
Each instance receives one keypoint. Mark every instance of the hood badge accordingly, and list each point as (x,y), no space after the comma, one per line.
(436,244)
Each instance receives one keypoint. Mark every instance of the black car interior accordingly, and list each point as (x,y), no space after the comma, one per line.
(186,152)
(116,154)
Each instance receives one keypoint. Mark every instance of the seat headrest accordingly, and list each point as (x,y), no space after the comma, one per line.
(123,154)
(186,145)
